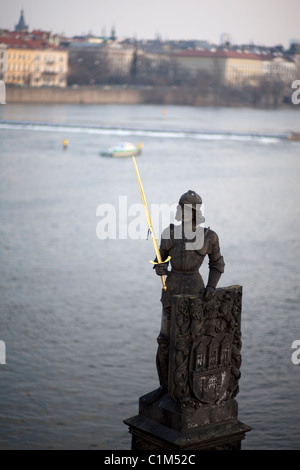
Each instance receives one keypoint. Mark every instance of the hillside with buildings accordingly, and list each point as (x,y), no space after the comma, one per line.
(200,72)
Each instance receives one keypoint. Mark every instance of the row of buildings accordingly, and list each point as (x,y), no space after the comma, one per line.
(39,58)
(32,58)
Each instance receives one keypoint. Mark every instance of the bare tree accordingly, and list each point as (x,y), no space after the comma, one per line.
(88,67)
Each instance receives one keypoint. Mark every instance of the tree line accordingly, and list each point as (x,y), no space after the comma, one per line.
(92,67)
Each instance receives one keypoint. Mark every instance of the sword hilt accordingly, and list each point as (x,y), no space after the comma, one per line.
(162,277)
(161,262)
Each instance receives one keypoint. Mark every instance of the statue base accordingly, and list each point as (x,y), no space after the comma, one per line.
(198,410)
(163,424)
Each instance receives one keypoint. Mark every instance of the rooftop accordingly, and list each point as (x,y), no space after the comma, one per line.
(17,43)
(223,54)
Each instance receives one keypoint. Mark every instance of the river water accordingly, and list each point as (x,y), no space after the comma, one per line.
(80,315)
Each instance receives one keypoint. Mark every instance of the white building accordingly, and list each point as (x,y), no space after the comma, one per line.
(2,61)
(279,69)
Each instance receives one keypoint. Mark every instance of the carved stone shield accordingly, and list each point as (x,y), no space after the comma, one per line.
(210,368)
(205,345)
(210,387)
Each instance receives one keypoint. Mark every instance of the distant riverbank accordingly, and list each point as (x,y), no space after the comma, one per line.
(106,95)
(125,95)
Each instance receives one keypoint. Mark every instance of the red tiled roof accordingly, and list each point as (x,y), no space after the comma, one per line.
(16,42)
(28,44)
(39,32)
(223,54)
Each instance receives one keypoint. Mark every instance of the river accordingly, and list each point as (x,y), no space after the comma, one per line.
(80,314)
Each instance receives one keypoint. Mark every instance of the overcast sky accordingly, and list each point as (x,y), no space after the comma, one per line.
(264,22)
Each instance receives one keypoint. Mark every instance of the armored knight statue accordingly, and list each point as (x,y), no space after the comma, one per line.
(199,345)
(187,244)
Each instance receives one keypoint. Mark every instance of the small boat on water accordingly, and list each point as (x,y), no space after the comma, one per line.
(123,149)
(294,136)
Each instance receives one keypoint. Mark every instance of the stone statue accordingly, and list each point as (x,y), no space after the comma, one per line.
(187,244)
(199,346)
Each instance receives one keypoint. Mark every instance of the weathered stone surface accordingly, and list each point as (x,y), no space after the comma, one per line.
(148,435)
(169,413)
(199,410)
(205,347)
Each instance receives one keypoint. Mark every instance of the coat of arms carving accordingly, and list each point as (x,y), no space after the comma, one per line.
(205,349)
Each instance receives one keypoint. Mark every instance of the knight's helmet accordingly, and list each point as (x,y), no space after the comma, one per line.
(189,206)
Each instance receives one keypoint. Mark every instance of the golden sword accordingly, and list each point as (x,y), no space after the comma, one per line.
(150,225)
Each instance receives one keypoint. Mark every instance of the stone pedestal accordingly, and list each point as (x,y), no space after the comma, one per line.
(199,410)
(162,425)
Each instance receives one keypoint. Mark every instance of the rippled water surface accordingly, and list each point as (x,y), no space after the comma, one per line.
(80,315)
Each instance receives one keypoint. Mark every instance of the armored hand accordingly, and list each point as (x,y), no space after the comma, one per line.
(161,269)
(208,294)
(213,279)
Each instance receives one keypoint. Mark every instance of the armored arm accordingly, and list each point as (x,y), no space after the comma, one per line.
(216,266)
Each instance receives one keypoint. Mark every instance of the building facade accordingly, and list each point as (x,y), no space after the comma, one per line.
(280,69)
(2,61)
(294,54)
(49,68)
(28,63)
(119,59)
(241,68)
(234,68)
